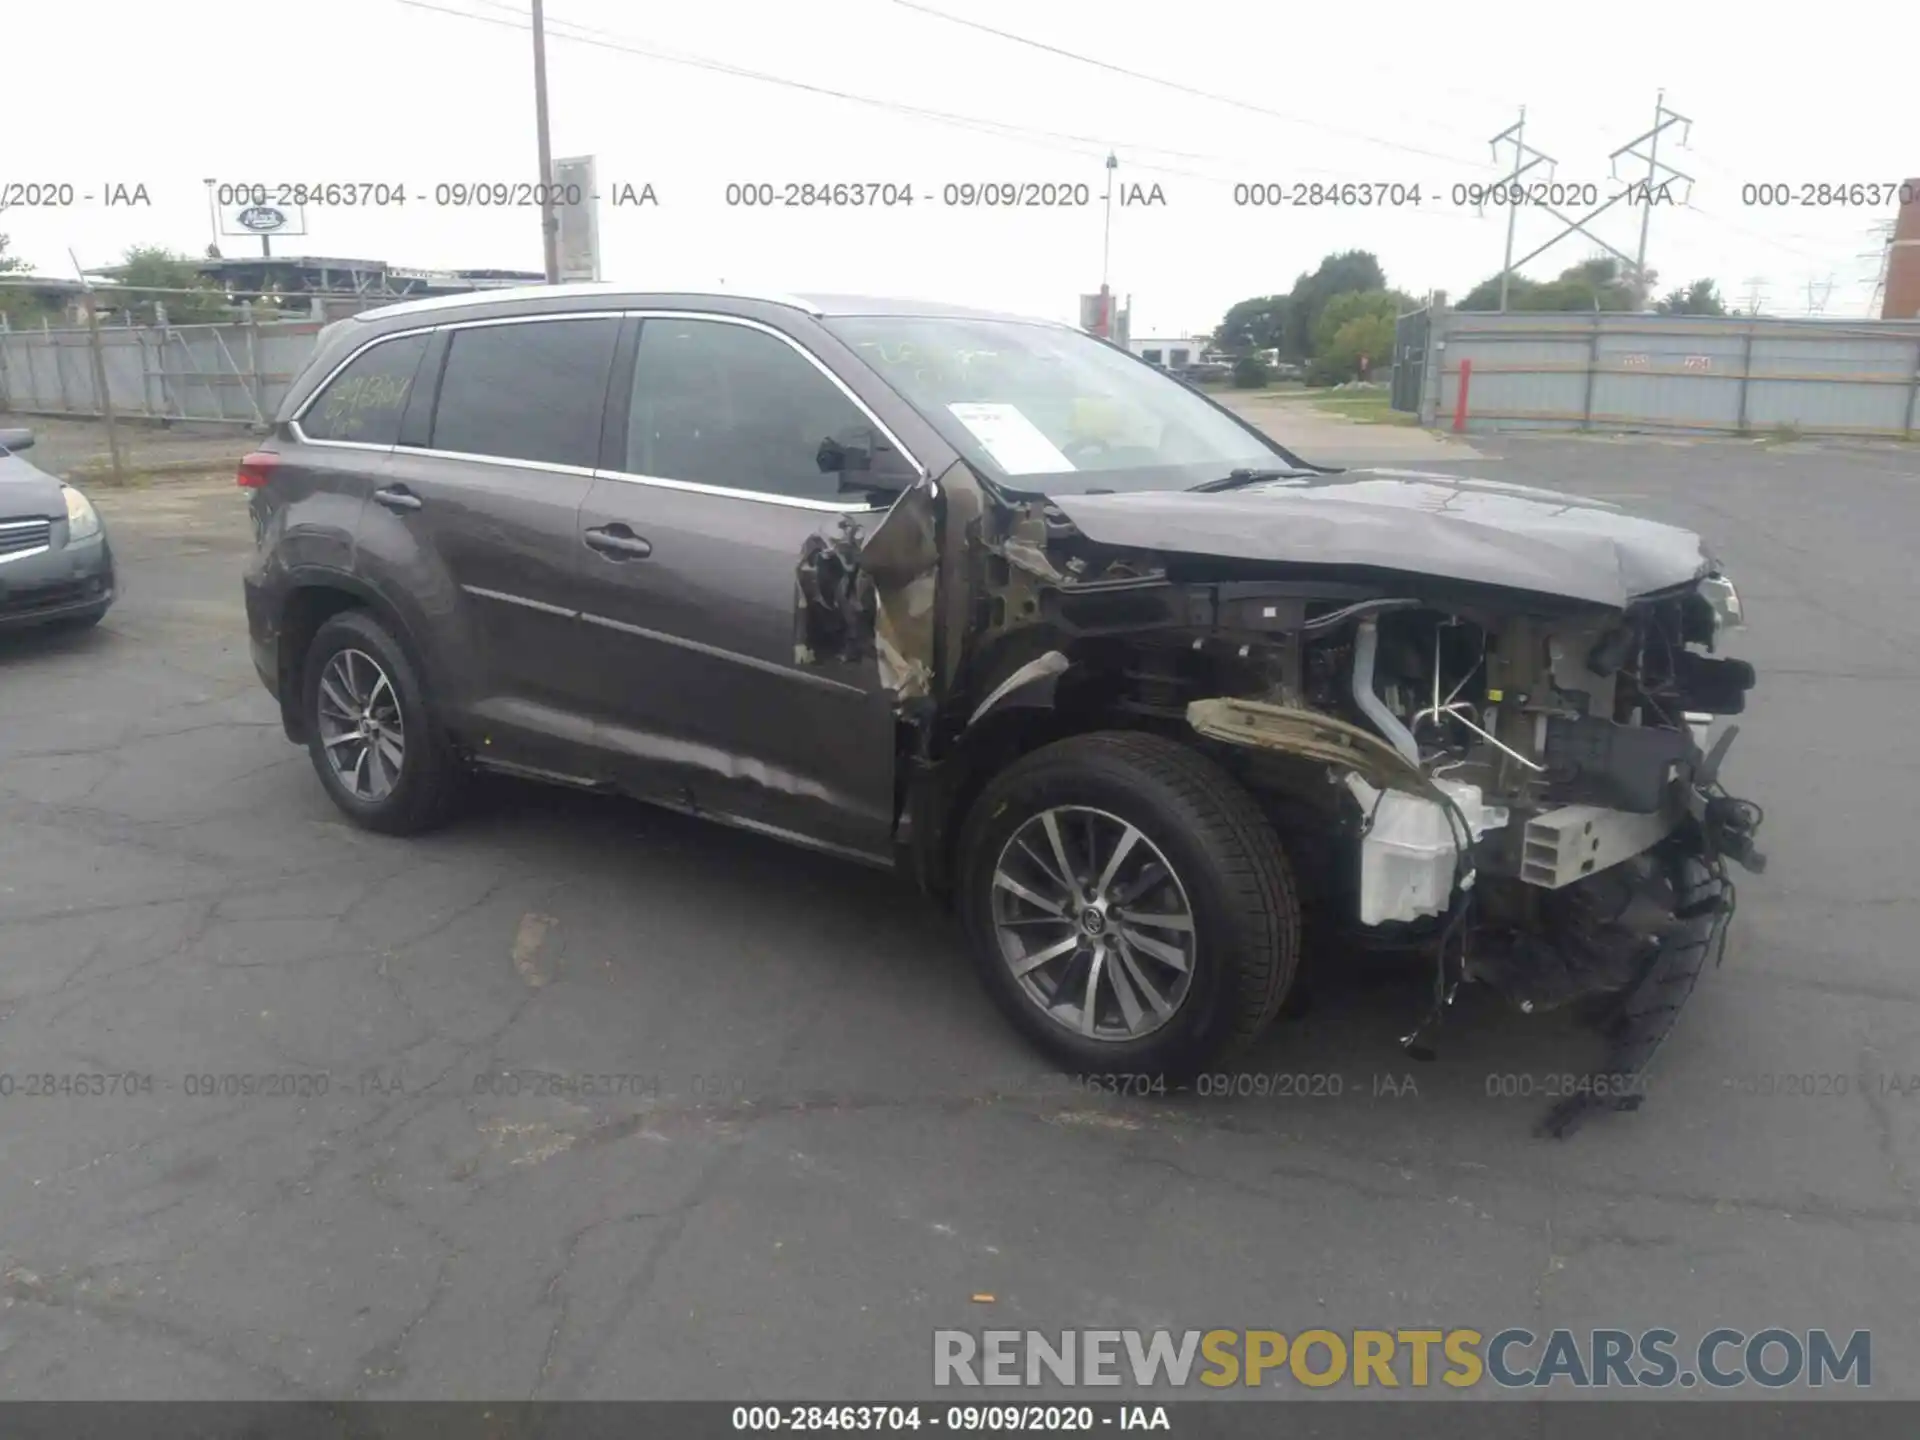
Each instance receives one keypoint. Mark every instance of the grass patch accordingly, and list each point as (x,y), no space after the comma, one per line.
(1367,407)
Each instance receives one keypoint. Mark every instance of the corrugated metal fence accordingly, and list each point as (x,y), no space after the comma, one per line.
(233,372)
(1682,374)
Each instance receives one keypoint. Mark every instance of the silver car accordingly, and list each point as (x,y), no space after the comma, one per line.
(56,567)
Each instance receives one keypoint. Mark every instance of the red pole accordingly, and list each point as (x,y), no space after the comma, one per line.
(1460,401)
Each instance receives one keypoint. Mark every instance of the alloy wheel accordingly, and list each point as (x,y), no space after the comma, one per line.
(360,725)
(1093,923)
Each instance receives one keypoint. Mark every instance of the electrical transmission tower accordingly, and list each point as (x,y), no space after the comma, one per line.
(1882,255)
(1662,119)
(1819,292)
(1525,157)
(1756,295)
(1645,192)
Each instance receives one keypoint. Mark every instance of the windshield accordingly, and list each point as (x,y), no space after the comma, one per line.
(1043,408)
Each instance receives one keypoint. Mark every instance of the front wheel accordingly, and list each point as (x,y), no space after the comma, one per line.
(373,738)
(1128,905)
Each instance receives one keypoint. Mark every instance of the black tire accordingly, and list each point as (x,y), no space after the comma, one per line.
(1238,884)
(431,779)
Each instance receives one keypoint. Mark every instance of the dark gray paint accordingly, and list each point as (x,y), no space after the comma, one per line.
(1413,522)
(674,675)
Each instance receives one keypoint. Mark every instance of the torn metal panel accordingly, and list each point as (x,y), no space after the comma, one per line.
(1309,734)
(902,560)
(1032,684)
(834,612)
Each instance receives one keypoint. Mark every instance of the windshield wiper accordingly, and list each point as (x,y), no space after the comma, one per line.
(1234,479)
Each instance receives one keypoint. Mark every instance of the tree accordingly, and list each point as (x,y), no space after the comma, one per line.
(153,268)
(1292,323)
(1700,298)
(1256,324)
(17,305)
(1597,284)
(1360,322)
(1339,273)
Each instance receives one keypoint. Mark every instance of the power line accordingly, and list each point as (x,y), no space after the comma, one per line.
(1764,239)
(1185,89)
(607,40)
(1092,147)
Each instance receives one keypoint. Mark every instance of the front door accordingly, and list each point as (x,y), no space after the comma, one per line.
(689,543)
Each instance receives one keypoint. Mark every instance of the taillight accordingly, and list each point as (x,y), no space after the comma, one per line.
(256,469)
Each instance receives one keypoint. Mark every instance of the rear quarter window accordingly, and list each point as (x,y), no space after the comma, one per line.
(364,402)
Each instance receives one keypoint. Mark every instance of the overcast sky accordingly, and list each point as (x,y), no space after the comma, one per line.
(1403,94)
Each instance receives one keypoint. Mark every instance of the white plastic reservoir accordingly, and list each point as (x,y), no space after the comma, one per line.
(1408,856)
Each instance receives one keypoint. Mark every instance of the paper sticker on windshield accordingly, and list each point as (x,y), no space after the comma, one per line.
(1015,442)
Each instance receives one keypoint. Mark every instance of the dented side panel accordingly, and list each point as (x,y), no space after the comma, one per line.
(701,697)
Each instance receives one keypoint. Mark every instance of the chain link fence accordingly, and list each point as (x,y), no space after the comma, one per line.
(232,373)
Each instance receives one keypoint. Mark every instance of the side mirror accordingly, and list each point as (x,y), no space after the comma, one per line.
(871,461)
(16,440)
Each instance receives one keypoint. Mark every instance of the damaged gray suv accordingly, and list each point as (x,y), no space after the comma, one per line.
(1142,696)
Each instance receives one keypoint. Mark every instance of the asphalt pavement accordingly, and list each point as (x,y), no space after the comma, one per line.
(581,1100)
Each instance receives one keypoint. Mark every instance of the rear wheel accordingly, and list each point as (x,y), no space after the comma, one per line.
(1128,905)
(371,732)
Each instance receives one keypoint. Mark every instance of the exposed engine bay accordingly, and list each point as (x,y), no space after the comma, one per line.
(1514,785)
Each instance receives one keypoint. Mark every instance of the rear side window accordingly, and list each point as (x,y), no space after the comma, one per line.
(365,401)
(526,392)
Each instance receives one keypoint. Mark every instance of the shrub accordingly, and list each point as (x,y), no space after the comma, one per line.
(1250,372)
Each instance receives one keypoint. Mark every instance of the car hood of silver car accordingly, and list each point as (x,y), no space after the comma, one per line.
(1481,532)
(27,491)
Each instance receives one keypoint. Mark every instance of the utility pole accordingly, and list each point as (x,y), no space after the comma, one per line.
(100,371)
(1106,252)
(1521,164)
(549,221)
(1663,118)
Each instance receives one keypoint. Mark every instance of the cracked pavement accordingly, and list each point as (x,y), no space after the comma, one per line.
(811,1141)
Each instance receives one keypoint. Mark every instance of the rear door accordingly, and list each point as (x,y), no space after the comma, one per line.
(689,543)
(333,453)
(476,517)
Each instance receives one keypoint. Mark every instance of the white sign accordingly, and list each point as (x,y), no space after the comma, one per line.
(1016,444)
(263,219)
(576,204)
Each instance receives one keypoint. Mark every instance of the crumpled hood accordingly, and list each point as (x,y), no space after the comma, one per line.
(26,491)
(1479,531)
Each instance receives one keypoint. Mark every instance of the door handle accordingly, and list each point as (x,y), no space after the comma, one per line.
(397,498)
(617,542)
